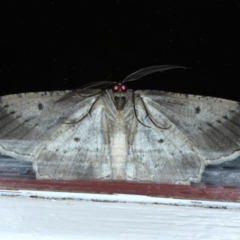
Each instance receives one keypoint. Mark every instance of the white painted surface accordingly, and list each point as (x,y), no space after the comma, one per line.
(37,218)
(124,198)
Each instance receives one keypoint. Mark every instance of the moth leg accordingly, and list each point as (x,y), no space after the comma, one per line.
(105,129)
(132,131)
(88,113)
(135,111)
(148,115)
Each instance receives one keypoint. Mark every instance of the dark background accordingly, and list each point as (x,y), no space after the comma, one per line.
(55,46)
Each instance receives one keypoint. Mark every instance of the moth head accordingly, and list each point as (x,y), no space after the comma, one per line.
(119,89)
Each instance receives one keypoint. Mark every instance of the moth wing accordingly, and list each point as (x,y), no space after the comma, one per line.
(202,131)
(45,128)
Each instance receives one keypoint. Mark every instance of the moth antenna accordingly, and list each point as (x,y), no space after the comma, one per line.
(78,94)
(104,84)
(149,70)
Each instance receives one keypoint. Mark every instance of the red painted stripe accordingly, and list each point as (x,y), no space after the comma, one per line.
(140,188)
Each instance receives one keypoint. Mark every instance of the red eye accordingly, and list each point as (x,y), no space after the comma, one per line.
(115,88)
(124,88)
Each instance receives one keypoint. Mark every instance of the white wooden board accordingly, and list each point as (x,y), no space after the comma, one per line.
(37,218)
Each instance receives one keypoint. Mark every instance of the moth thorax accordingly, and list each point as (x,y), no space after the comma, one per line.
(120,102)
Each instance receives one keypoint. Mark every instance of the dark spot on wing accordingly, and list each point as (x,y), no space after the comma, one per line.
(160,140)
(219,121)
(209,124)
(76,139)
(156,165)
(225,117)
(40,106)
(12,112)
(197,110)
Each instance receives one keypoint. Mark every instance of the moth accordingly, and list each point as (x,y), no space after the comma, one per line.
(119,134)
